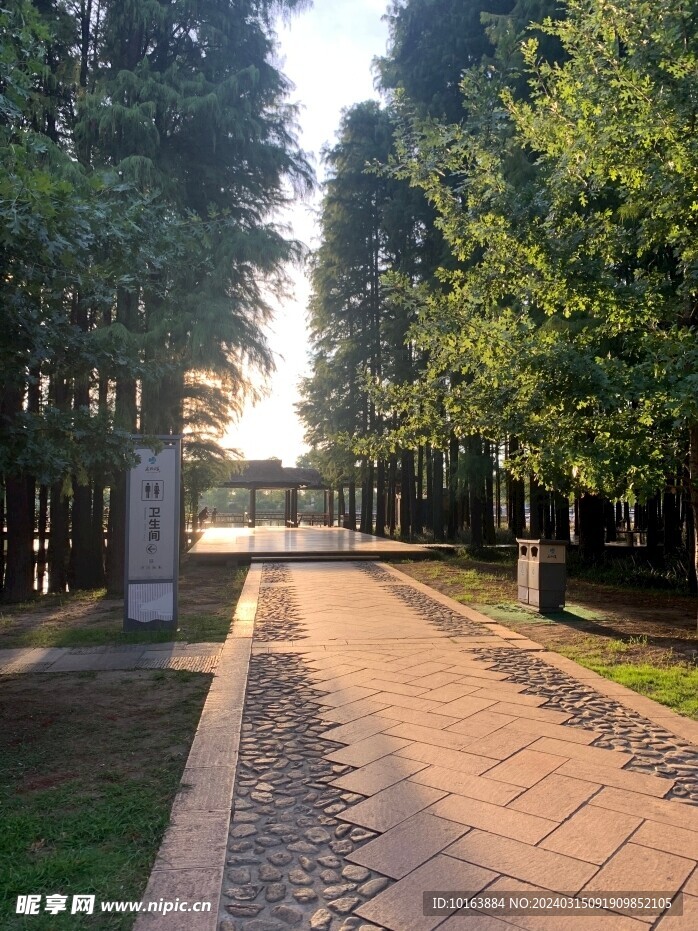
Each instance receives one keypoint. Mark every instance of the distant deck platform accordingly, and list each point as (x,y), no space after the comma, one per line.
(244,544)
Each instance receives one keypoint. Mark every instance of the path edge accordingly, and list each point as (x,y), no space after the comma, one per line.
(684,728)
(190,863)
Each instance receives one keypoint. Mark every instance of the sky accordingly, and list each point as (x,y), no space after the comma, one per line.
(326,51)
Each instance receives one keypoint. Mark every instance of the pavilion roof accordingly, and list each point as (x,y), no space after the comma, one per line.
(270,473)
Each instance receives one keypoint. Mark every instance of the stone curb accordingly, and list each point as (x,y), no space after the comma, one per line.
(191,861)
(684,728)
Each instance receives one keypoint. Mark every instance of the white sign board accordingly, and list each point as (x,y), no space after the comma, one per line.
(152,536)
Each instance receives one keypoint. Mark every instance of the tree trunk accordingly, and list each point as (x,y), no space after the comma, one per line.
(536,504)
(592,536)
(452,523)
(653,552)
(19,514)
(562,517)
(610,520)
(437,495)
(2,537)
(672,521)
(42,528)
(405,529)
(125,416)
(419,492)
(341,506)
(488,517)
(367,498)
(475,490)
(517,500)
(59,540)
(351,518)
(693,490)
(392,494)
(429,489)
(380,498)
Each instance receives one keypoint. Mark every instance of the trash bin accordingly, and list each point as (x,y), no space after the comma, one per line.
(547,574)
(522,570)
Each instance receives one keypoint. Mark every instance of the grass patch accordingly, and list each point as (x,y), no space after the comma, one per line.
(644,639)
(673,686)
(89,766)
(207,597)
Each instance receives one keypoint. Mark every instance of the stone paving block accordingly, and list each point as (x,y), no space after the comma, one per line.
(637,868)
(617,778)
(351,712)
(449,759)
(407,701)
(368,750)
(526,768)
(691,886)
(522,861)
(369,779)
(668,838)
(470,668)
(478,922)
(391,806)
(425,718)
(219,715)
(387,675)
(409,844)
(86,662)
(195,885)
(420,668)
(435,680)
(502,743)
(555,797)
(481,724)
(560,731)
(213,747)
(575,751)
(592,834)
(524,711)
(479,787)
(447,693)
(400,907)
(688,921)
(357,730)
(194,840)
(346,695)
(466,706)
(336,683)
(608,921)
(515,697)
(333,671)
(499,686)
(397,688)
(493,818)
(428,735)
(206,788)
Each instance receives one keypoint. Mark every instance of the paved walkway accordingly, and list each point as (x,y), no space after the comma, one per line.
(194,657)
(244,544)
(380,741)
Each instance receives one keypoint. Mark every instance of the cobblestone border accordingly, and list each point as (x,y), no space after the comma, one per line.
(657,751)
(286,862)
(278,616)
(190,864)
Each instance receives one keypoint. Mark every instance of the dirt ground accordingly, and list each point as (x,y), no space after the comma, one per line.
(657,627)
(89,766)
(207,594)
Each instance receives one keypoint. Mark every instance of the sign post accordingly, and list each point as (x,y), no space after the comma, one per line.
(152,538)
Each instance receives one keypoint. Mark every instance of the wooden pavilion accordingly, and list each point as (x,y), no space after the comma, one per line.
(265,474)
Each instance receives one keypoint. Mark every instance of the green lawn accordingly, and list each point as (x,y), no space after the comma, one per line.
(89,765)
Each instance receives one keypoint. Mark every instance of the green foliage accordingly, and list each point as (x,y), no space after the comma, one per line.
(569,321)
